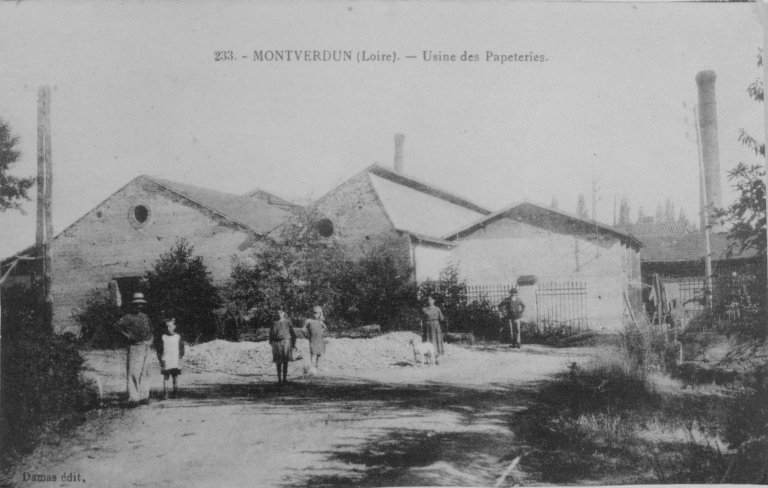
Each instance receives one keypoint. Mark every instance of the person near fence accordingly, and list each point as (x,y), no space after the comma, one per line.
(282,337)
(431,316)
(315,330)
(134,326)
(513,308)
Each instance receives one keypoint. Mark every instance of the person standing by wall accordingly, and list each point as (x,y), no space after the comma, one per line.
(282,337)
(315,330)
(430,327)
(513,308)
(134,326)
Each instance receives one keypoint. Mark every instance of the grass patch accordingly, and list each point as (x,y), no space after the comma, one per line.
(622,419)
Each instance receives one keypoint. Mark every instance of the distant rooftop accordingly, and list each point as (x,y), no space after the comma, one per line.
(688,247)
(656,228)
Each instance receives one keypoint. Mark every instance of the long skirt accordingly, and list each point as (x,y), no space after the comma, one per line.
(434,334)
(137,372)
(282,351)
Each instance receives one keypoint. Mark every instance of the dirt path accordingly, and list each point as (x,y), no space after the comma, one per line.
(450,424)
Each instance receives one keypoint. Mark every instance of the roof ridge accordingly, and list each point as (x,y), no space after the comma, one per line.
(161,182)
(467,203)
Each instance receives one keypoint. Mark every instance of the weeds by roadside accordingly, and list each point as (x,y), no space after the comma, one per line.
(621,419)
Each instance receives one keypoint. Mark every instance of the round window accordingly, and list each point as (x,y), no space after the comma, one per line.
(141,213)
(325,228)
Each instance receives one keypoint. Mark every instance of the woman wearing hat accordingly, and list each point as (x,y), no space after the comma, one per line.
(134,326)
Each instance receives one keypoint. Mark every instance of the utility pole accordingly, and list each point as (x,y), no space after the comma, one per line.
(44,234)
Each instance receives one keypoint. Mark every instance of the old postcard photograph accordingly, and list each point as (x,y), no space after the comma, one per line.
(382,244)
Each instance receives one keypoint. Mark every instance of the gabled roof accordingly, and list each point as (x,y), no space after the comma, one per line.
(252,213)
(656,228)
(527,210)
(689,247)
(424,187)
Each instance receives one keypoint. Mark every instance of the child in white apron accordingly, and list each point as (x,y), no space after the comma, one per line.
(170,350)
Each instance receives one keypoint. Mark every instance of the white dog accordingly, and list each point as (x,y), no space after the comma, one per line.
(424,349)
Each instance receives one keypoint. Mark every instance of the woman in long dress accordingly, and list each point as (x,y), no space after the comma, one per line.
(315,331)
(430,327)
(282,337)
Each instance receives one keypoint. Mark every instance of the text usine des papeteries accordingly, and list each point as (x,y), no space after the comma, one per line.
(365,56)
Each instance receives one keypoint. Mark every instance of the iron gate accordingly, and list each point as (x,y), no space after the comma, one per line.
(561,306)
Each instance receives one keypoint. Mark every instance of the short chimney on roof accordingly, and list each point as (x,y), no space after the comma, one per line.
(399,140)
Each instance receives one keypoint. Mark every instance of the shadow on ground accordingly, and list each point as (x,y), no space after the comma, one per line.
(400,435)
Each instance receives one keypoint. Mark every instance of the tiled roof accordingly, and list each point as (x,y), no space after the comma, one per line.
(656,228)
(252,213)
(688,247)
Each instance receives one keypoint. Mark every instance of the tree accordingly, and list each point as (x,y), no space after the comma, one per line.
(747,214)
(640,213)
(747,217)
(180,284)
(292,272)
(624,212)
(12,188)
(659,216)
(669,211)
(581,207)
(683,219)
(555,204)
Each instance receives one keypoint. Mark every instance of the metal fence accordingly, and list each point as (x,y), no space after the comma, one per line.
(493,293)
(562,305)
(691,293)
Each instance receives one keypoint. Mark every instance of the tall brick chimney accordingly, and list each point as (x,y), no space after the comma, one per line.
(399,139)
(710,148)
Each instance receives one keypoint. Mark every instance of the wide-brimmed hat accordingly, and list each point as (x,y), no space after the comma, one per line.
(513,290)
(138,298)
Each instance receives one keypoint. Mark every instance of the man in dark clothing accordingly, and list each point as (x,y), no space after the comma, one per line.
(135,327)
(513,308)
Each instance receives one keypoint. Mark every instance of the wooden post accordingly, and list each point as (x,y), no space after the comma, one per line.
(48,215)
(44,182)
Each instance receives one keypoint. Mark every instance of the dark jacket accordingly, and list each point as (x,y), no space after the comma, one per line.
(135,327)
(512,308)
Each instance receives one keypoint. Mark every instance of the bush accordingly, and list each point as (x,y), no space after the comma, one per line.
(41,384)
(181,284)
(480,317)
(378,289)
(302,269)
(97,319)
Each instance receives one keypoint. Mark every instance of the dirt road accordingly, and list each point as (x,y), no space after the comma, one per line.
(451,424)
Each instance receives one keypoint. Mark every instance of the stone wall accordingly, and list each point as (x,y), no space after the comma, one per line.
(108,243)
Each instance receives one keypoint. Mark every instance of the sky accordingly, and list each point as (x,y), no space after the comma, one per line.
(136,90)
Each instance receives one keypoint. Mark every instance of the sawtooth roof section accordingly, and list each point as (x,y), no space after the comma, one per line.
(529,211)
(251,213)
(419,212)
(426,188)
(689,247)
(656,228)
(272,199)
(429,239)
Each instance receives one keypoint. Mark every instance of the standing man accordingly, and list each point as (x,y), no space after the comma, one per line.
(513,308)
(134,326)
